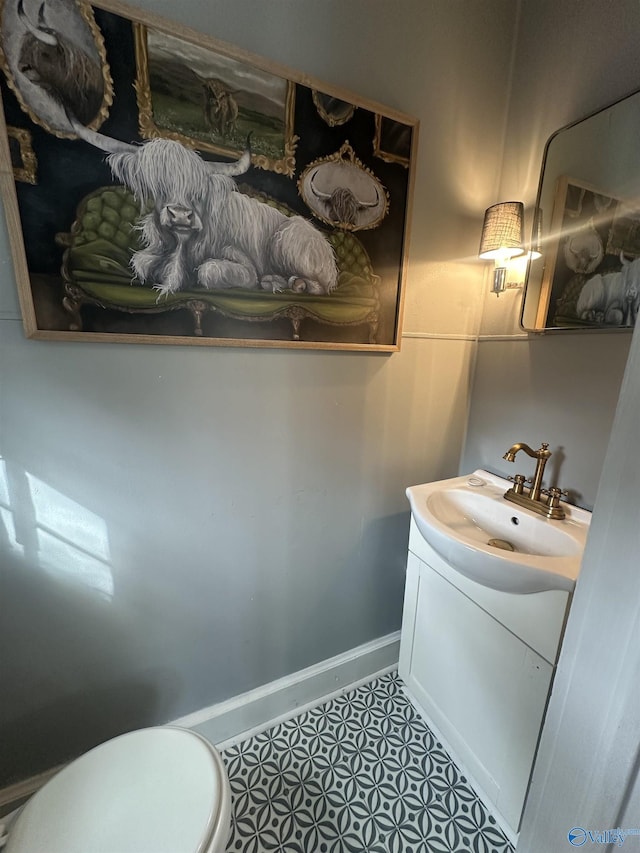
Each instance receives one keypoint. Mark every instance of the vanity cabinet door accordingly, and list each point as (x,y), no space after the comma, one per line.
(482,689)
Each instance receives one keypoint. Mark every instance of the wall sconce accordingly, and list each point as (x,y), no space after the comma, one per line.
(502,238)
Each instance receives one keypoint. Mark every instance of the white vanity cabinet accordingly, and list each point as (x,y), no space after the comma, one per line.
(478,663)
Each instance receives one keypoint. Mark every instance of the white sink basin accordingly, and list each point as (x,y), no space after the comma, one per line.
(468,522)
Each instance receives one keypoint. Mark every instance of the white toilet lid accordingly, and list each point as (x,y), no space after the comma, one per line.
(156,790)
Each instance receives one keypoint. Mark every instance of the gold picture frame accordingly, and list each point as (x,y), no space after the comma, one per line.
(205,108)
(342,192)
(23,158)
(392,140)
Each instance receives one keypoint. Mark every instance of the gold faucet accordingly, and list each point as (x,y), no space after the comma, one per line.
(548,505)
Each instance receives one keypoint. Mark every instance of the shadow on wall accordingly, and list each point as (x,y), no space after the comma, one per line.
(383,546)
(68,668)
(387,535)
(61,730)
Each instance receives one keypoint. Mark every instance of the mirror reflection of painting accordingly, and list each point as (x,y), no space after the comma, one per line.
(594,279)
(589,196)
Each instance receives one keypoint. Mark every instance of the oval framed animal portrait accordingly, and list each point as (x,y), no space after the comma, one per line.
(343,192)
(53,57)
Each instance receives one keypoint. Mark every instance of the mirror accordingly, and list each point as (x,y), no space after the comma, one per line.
(588,211)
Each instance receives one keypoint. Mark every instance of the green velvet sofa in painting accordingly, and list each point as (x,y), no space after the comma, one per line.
(96,271)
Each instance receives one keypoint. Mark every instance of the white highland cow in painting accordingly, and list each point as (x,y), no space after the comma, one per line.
(612,299)
(201,232)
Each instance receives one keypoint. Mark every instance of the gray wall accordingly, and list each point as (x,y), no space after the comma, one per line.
(185,524)
(561,389)
(571,58)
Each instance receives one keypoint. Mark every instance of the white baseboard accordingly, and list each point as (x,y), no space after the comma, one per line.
(242,716)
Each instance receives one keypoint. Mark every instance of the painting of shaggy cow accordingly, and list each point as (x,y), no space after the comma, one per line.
(202,232)
(343,192)
(54,59)
(183,191)
(220,107)
(612,299)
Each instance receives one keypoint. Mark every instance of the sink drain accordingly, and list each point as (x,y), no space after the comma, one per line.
(501,543)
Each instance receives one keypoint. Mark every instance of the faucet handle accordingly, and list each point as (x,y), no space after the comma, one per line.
(555,494)
(518,483)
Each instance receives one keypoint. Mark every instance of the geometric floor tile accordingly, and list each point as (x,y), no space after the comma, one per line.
(361,774)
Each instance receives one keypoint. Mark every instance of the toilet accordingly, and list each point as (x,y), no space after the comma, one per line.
(155,790)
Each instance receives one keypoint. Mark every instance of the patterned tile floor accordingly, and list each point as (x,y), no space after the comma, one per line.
(361,774)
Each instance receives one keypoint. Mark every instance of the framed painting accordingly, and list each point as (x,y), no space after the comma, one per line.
(211,101)
(162,186)
(591,275)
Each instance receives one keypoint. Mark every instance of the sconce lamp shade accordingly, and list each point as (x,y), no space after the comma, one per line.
(503,231)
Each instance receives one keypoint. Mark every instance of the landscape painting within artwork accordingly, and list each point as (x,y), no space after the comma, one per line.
(169,190)
(194,94)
